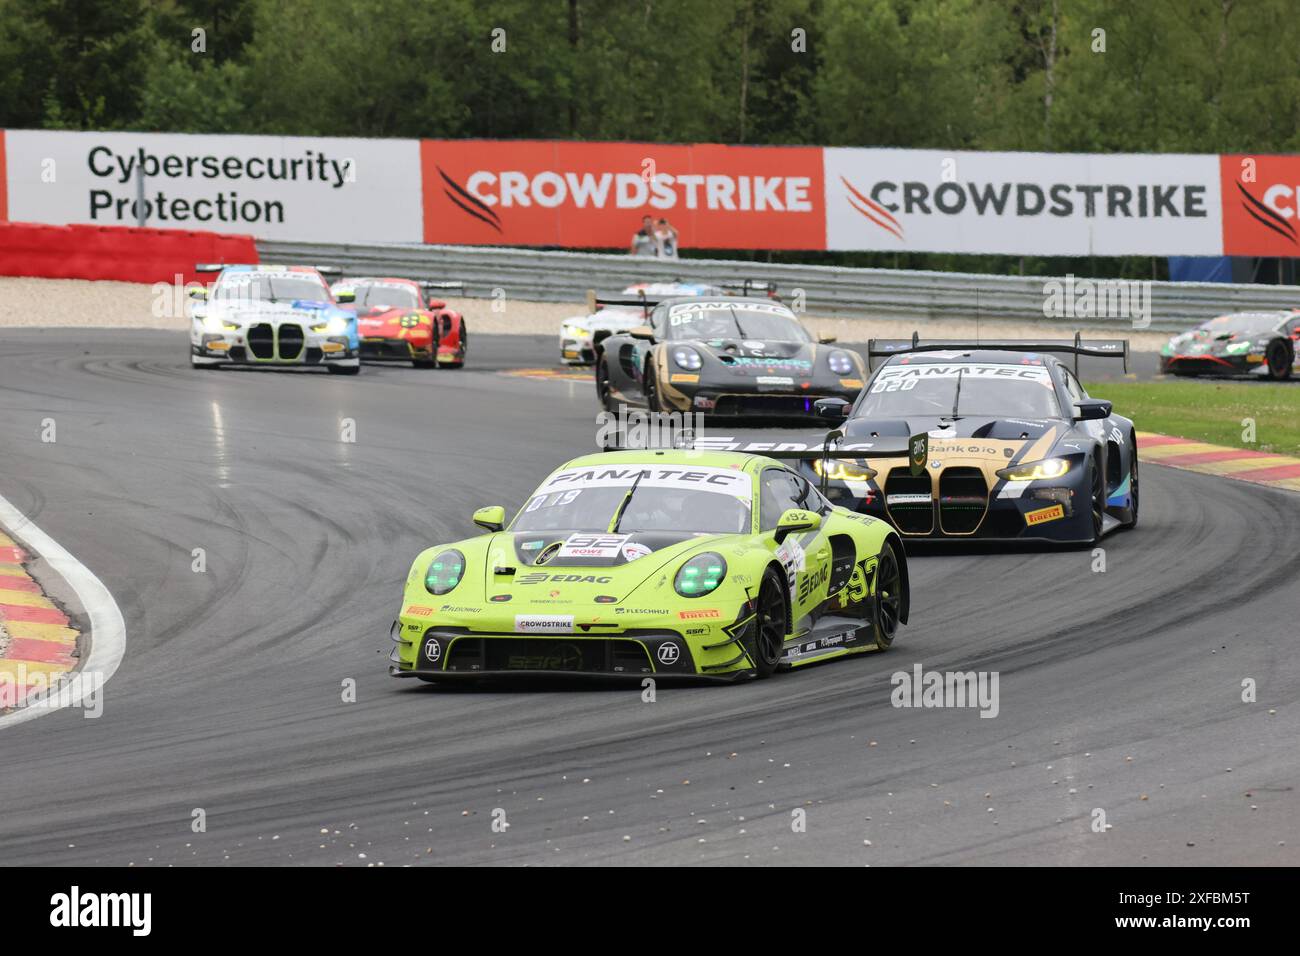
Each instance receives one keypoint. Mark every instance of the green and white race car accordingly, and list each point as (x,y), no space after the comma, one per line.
(715,565)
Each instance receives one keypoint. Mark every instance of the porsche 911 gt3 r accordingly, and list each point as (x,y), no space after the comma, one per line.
(665,563)
(400,320)
(581,335)
(271,315)
(724,357)
(1237,344)
(1017,449)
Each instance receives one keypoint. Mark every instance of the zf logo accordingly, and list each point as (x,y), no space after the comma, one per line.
(432,649)
(668,653)
(812,581)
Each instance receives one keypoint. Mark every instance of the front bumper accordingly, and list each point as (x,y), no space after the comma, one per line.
(959,502)
(1210,364)
(264,343)
(444,651)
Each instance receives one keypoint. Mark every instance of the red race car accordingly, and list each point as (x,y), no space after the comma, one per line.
(398,320)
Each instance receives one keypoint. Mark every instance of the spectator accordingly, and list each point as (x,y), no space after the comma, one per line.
(665,239)
(644,242)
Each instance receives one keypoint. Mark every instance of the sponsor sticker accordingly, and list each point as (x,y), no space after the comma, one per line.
(633,550)
(544,623)
(1044,514)
(668,653)
(583,545)
(699,614)
(415,610)
(721,480)
(774,380)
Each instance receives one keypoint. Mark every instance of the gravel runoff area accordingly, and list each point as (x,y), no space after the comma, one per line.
(62,303)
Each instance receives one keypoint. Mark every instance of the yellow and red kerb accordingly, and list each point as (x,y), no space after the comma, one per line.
(36,638)
(1279,471)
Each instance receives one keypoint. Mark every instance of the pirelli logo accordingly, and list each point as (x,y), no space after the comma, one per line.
(1044,514)
(415,610)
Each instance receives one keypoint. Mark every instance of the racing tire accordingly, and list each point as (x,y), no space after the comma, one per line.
(602,382)
(1097,486)
(1278,360)
(887,602)
(766,638)
(1133,482)
(651,389)
(464,347)
(343,369)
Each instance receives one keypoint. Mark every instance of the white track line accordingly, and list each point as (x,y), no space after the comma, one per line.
(107,629)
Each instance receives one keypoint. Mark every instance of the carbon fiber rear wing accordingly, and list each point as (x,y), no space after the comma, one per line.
(750,287)
(1093,348)
(643,302)
(916,448)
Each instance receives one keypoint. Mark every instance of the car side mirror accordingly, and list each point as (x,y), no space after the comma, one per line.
(490,519)
(198,292)
(832,409)
(1091,408)
(642,332)
(796,519)
(345,295)
(826,339)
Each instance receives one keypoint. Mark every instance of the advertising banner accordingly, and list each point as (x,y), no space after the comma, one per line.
(1052,204)
(586,195)
(331,190)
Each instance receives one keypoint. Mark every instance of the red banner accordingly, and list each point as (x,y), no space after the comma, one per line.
(593,195)
(1261,203)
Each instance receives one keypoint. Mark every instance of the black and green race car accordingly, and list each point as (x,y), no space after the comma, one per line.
(651,563)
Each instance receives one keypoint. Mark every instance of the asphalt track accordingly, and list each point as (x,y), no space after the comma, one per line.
(1119,691)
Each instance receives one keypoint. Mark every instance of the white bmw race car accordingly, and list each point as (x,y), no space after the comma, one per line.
(272,315)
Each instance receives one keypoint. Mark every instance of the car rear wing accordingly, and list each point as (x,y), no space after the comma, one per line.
(218,266)
(643,302)
(761,287)
(428,286)
(915,448)
(1078,346)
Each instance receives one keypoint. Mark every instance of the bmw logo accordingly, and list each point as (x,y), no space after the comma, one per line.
(668,653)
(432,649)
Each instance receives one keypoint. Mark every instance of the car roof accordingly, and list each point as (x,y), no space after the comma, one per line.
(362,280)
(973,357)
(741,461)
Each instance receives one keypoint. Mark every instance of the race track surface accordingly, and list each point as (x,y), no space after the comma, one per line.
(1119,691)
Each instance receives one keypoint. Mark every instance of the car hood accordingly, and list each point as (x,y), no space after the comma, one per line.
(607,320)
(753,357)
(585,567)
(273,312)
(1210,341)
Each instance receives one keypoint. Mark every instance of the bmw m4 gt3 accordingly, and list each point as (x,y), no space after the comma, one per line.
(272,315)
(1016,448)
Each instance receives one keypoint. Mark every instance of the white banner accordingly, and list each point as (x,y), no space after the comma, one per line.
(308,188)
(1064,204)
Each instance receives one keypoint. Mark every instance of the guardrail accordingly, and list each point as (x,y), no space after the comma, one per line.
(547,276)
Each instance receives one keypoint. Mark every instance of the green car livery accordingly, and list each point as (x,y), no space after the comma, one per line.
(715,565)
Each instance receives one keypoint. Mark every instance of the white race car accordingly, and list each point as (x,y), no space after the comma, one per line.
(272,315)
(580,334)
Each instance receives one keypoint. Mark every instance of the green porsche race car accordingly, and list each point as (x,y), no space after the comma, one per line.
(713,565)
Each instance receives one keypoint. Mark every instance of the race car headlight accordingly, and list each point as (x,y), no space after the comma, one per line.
(687,359)
(840,363)
(837,470)
(700,575)
(1036,470)
(444,572)
(215,323)
(577,331)
(1236,348)
(333,326)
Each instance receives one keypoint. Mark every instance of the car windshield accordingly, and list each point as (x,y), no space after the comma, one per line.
(1245,323)
(665,498)
(390,294)
(266,287)
(931,389)
(743,320)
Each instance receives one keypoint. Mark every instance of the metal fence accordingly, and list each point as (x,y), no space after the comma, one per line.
(547,276)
